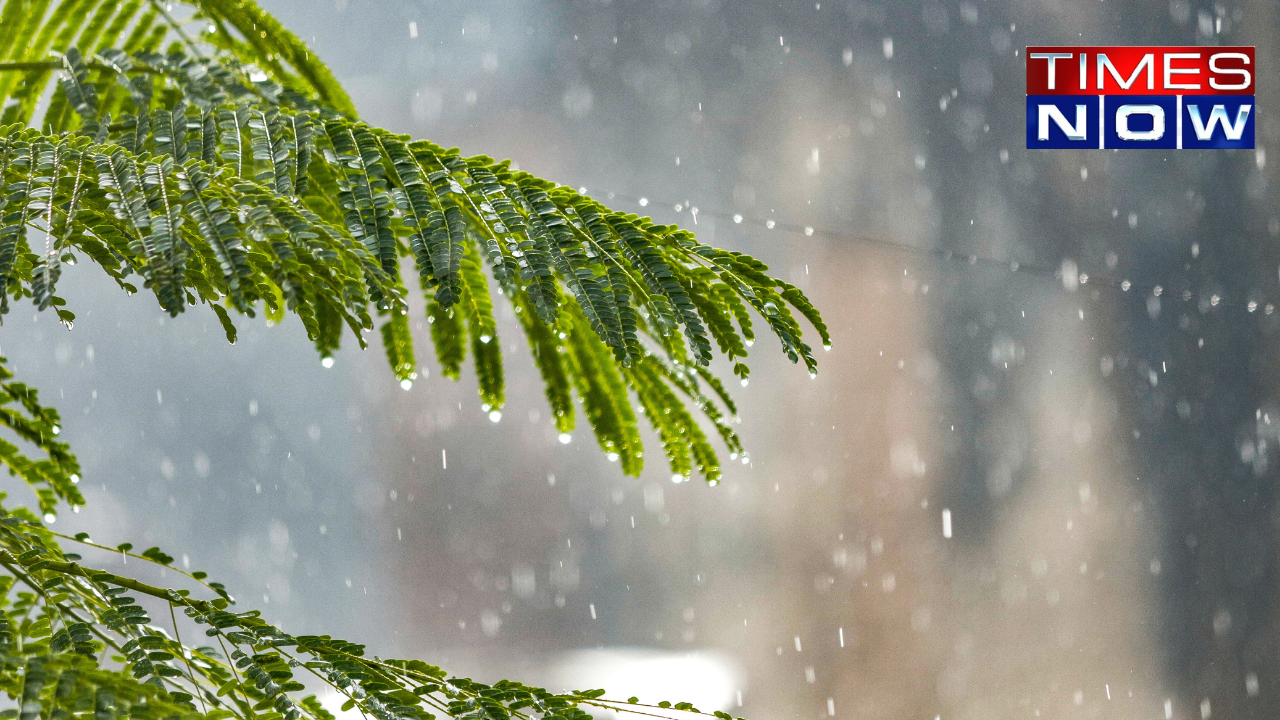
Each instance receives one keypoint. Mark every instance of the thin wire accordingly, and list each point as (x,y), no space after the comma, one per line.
(1102,279)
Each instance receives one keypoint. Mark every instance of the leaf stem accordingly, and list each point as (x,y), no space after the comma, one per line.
(173,617)
(28,65)
(70,568)
(90,543)
(177,27)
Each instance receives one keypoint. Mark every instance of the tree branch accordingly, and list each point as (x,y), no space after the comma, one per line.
(70,568)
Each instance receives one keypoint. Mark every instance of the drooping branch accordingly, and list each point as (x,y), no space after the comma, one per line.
(229,170)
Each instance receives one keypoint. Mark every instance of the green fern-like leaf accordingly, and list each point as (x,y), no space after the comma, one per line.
(477,307)
(447,335)
(548,356)
(229,169)
(398,343)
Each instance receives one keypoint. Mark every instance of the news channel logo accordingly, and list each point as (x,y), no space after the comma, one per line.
(1140,97)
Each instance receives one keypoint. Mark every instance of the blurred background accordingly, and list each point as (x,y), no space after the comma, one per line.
(1008,493)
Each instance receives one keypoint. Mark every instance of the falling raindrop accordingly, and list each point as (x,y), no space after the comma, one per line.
(495,416)
(406,384)
(565,438)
